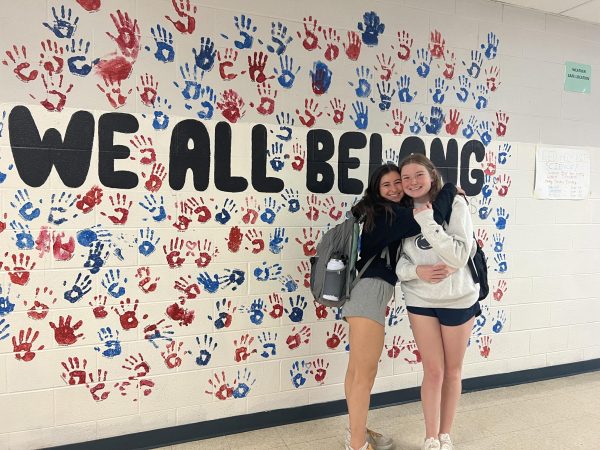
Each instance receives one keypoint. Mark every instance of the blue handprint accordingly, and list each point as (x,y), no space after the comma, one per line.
(485,208)
(23,237)
(363,85)
(224,213)
(423,62)
(361,112)
(483,130)
(6,307)
(191,84)
(277,240)
(206,350)
(286,76)
(63,26)
(404,94)
(112,283)
(391,156)
(275,153)
(208,98)
(279,37)
(475,64)
(256,311)
(161,118)
(268,342)
(291,196)
(269,215)
(88,236)
(395,315)
(4,326)
(112,344)
(165,52)
(480,96)
(491,49)
(504,153)
(155,207)
(440,91)
(285,122)
(205,58)
(288,284)
(78,61)
(266,272)
(210,284)
(469,129)
(60,207)
(298,372)
(82,285)
(371,28)
(436,120)
(417,123)
(464,86)
(233,278)
(385,95)
(243,384)
(95,260)
(147,242)
(488,186)
(244,26)
(500,221)
(24,206)
(297,307)
(223,317)
(498,242)
(499,321)
(500,259)
(320,77)
(3,175)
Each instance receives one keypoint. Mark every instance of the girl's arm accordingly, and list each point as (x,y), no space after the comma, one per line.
(454,244)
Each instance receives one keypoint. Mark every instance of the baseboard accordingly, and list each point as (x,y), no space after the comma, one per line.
(202,430)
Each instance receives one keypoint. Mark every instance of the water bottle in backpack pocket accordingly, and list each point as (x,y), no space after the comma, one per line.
(335,279)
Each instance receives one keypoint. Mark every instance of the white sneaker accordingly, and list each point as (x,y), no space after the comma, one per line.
(367,446)
(431,444)
(446,442)
(377,440)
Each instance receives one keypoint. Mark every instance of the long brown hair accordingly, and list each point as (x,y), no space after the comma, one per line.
(372,203)
(436,180)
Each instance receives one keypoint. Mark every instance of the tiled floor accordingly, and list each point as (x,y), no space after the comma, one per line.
(563,413)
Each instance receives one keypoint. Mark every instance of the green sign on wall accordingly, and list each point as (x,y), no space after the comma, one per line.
(578,77)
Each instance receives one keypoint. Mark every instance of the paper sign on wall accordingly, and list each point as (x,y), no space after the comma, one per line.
(578,77)
(562,173)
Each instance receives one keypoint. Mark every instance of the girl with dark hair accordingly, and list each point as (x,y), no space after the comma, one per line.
(386,223)
(441,303)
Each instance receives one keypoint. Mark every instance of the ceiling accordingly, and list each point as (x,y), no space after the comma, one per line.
(588,10)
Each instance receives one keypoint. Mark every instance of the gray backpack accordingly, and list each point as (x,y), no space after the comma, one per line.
(341,242)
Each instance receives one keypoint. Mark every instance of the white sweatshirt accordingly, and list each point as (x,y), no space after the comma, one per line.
(453,246)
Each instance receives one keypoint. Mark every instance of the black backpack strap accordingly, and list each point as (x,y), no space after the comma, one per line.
(471,265)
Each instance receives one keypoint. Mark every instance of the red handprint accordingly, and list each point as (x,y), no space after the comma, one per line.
(40,310)
(97,386)
(112,91)
(44,241)
(502,184)
(338,109)
(156,178)
(405,42)
(332,39)
(489,165)
(354,44)
(299,157)
(171,355)
(22,265)
(203,211)
(206,253)
(234,240)
(386,67)
(500,290)
(127,313)
(174,258)
(454,122)
(183,212)
(241,352)
(226,61)
(146,284)
(399,121)
(220,388)
(318,368)
(149,90)
(502,124)
(51,57)
(99,306)
(90,199)
(267,99)
(22,68)
(314,206)
(331,209)
(310,113)
(321,311)
(436,46)
(256,66)
(63,251)
(482,237)
(144,145)
(128,39)
(396,348)
(89,5)
(231,106)
(311,28)
(252,209)
(484,345)
(186,24)
(120,208)
(257,243)
(56,96)
(181,315)
(450,64)
(412,348)
(276,306)
(296,338)
(336,336)
(23,347)
(308,243)
(75,371)
(188,287)
(491,78)
(304,270)
(64,333)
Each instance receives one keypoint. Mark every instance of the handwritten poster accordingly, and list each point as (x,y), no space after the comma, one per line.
(562,173)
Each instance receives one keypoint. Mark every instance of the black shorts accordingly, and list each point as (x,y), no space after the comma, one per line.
(447,316)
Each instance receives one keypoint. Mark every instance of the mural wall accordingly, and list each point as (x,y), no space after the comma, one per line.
(166,169)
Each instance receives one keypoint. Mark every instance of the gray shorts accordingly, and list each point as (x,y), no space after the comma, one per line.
(369,299)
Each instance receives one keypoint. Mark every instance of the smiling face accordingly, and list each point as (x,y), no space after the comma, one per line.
(390,187)
(416,182)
